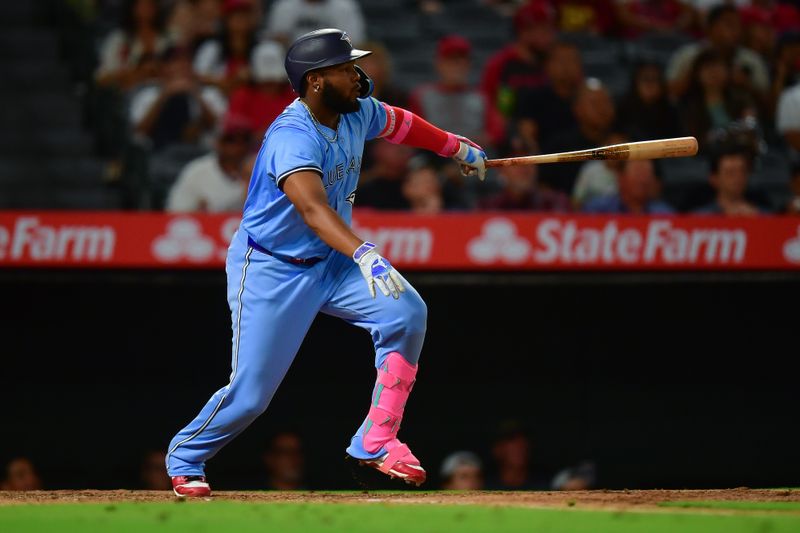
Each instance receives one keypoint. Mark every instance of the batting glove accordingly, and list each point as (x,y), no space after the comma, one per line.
(378,271)
(471,157)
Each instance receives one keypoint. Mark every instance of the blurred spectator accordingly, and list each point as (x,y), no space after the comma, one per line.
(381,185)
(379,67)
(646,111)
(581,477)
(511,451)
(153,472)
(712,101)
(225,61)
(462,471)
(422,189)
(787,118)
(269,93)
(793,205)
(20,474)
(759,33)
(585,16)
(723,36)
(730,170)
(637,17)
(215,182)
(451,103)
(519,65)
(177,108)
(285,462)
(785,67)
(126,53)
(521,192)
(598,178)
(544,111)
(594,113)
(637,193)
(289,19)
(193,22)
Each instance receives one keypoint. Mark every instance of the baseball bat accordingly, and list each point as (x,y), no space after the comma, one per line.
(655,149)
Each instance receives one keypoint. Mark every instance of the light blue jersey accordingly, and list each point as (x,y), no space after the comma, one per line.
(292,143)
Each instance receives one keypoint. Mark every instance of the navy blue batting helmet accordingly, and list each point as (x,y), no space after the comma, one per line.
(317,49)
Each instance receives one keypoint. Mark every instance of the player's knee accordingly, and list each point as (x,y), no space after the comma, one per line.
(415,314)
(252,406)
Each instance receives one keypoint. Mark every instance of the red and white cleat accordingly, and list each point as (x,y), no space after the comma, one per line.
(191,486)
(399,463)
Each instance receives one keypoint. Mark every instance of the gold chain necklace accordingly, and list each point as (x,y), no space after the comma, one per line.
(317,124)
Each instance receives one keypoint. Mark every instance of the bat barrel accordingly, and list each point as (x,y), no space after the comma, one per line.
(655,149)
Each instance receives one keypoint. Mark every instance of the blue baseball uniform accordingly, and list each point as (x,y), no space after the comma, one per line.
(280,275)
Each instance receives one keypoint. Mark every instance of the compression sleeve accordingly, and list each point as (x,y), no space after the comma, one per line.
(404,127)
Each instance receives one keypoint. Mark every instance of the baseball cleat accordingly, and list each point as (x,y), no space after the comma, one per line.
(191,486)
(399,463)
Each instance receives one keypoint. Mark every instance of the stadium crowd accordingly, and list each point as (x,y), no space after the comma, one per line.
(183,90)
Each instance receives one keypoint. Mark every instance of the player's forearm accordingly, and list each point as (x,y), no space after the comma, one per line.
(404,127)
(330,227)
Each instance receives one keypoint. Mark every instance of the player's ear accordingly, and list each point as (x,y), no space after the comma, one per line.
(314,81)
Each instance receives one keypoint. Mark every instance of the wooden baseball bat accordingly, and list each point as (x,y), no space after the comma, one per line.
(655,149)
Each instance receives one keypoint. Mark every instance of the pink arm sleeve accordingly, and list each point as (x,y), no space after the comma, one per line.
(404,127)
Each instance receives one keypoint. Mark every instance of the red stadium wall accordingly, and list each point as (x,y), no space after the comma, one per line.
(456,242)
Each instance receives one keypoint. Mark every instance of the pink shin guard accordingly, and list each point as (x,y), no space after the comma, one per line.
(394,383)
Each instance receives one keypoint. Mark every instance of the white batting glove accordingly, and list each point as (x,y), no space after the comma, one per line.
(471,157)
(378,271)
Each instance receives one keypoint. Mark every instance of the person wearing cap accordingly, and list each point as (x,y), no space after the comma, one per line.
(214,183)
(225,61)
(269,92)
(295,254)
(520,64)
(451,102)
(462,470)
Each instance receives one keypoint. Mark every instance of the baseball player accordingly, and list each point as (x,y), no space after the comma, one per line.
(295,255)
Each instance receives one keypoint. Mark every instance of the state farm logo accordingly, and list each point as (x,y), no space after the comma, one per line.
(560,241)
(30,239)
(184,239)
(791,249)
(499,241)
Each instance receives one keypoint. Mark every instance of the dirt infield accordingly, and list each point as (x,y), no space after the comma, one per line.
(602,499)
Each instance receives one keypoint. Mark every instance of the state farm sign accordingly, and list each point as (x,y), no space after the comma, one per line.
(473,242)
(29,237)
(566,242)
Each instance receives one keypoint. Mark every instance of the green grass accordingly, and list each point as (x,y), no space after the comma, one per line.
(240,517)
(736,505)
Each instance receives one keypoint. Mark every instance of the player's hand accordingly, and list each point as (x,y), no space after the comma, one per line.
(471,157)
(378,271)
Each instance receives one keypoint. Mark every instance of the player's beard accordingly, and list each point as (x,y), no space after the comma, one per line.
(336,101)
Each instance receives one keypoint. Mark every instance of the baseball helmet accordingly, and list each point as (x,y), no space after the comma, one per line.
(317,49)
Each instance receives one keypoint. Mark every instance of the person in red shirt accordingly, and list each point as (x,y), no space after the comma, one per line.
(520,64)
(269,94)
